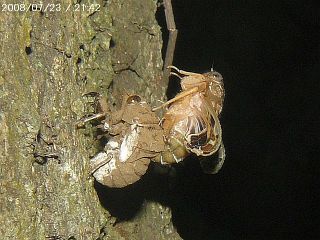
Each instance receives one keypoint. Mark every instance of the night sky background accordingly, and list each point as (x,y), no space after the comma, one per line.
(268,53)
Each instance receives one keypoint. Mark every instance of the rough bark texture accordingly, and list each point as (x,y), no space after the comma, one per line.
(48,61)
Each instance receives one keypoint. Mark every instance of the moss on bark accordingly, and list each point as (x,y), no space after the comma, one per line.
(48,61)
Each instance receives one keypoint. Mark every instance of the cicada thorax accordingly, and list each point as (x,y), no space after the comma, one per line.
(191,123)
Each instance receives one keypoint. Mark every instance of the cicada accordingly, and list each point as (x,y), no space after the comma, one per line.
(135,137)
(191,120)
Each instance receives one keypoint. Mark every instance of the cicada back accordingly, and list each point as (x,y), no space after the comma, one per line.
(191,121)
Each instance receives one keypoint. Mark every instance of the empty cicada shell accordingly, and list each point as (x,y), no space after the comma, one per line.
(136,137)
(191,123)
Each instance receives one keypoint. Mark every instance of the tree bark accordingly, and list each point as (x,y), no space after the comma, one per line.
(49,60)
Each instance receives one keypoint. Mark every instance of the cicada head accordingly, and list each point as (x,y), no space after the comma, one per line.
(215,90)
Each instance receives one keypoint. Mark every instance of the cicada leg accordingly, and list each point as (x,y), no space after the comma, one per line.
(181,95)
(182,72)
(84,120)
(100,160)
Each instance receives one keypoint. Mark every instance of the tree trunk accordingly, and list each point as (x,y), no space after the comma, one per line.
(49,59)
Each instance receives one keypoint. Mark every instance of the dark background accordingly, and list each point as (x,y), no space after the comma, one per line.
(268,188)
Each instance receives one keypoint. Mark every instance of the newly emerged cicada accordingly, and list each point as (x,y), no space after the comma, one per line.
(191,120)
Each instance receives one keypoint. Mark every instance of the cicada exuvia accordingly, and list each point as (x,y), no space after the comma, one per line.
(191,120)
(134,138)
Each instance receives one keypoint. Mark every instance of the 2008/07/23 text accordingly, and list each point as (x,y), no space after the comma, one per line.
(51,7)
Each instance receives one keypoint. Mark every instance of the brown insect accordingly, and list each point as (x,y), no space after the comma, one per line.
(191,123)
(136,137)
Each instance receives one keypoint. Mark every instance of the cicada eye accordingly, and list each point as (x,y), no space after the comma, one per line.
(215,74)
(218,76)
(133,99)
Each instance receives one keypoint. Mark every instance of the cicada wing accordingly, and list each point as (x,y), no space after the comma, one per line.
(204,132)
(213,164)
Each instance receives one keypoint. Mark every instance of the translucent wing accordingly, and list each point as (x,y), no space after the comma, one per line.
(204,134)
(212,164)
(204,138)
